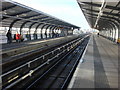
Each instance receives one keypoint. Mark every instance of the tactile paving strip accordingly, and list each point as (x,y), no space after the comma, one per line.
(100,77)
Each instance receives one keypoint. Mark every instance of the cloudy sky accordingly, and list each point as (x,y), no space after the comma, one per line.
(67,10)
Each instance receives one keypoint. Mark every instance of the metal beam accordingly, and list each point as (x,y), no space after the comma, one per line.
(40,18)
(23,26)
(55,29)
(103,12)
(31,26)
(45,20)
(47,27)
(38,26)
(50,21)
(16,14)
(111,21)
(31,16)
(41,30)
(50,30)
(6,8)
(11,25)
(105,17)
(20,13)
(27,20)
(99,5)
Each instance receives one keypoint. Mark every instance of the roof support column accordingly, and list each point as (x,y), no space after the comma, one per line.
(53,32)
(42,31)
(34,35)
(56,33)
(111,34)
(11,25)
(37,29)
(62,32)
(114,31)
(70,31)
(50,31)
(28,34)
(47,31)
(119,31)
(115,28)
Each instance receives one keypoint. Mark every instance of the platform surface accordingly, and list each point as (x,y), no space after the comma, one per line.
(100,66)
(15,45)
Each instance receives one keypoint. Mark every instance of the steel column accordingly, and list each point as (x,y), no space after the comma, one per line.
(37,28)
(41,30)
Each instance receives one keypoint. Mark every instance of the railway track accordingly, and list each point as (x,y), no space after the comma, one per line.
(25,74)
(60,74)
(28,55)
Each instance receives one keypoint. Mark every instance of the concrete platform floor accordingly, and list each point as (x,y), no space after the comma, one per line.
(100,66)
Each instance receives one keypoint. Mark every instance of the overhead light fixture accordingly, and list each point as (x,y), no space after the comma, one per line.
(100,12)
(32,18)
(24,14)
(5,12)
(17,15)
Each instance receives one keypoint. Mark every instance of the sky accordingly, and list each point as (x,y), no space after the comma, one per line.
(67,10)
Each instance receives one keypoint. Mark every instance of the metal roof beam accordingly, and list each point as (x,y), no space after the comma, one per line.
(31,26)
(6,8)
(31,16)
(17,14)
(23,26)
(45,20)
(7,16)
(20,13)
(103,12)
(10,5)
(40,18)
(14,21)
(99,5)
(27,20)
(106,17)
(103,5)
(50,21)
(48,27)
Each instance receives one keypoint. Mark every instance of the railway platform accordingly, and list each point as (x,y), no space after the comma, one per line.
(14,44)
(13,49)
(56,54)
(99,68)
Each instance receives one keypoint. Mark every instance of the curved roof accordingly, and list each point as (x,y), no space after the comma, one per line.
(102,14)
(15,12)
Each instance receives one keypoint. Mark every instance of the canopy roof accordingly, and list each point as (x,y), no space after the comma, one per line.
(101,14)
(13,12)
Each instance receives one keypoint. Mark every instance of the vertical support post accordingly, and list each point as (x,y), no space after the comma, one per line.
(30,29)
(41,30)
(11,25)
(46,30)
(37,28)
(50,31)
(28,34)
